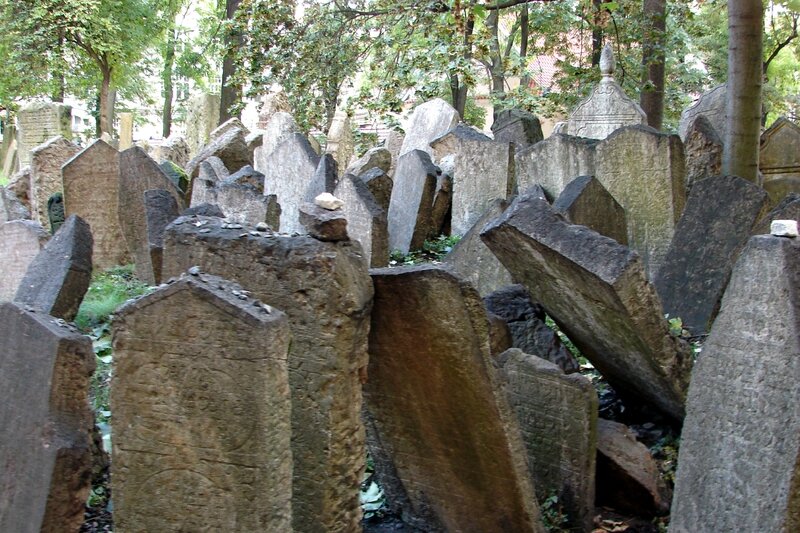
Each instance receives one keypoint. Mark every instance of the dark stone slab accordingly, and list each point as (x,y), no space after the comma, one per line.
(380,185)
(586,202)
(517,126)
(323,224)
(411,202)
(205,210)
(160,210)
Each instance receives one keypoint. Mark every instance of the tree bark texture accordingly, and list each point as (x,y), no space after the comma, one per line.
(230,94)
(651,97)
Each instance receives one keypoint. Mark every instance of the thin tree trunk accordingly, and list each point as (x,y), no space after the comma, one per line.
(496,67)
(597,32)
(105,118)
(230,94)
(743,102)
(652,95)
(525,80)
(166,78)
(60,89)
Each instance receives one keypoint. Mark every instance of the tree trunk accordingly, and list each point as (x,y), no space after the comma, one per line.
(652,93)
(743,102)
(597,32)
(525,79)
(60,89)
(230,94)
(104,124)
(166,78)
(496,68)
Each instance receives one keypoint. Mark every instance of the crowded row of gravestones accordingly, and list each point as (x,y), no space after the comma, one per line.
(276,351)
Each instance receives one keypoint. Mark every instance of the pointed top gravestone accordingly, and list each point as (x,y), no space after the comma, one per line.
(554,163)
(517,126)
(46,162)
(428,121)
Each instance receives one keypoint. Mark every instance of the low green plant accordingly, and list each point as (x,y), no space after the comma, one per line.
(554,518)
(433,250)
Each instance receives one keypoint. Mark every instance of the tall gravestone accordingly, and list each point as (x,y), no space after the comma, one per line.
(160,209)
(554,163)
(45,422)
(38,122)
(778,159)
(739,456)
(125,130)
(280,126)
(202,117)
(411,203)
(455,461)
(427,122)
(366,220)
(91,191)
(341,144)
(703,148)
(200,396)
(230,146)
(325,289)
(46,162)
(20,243)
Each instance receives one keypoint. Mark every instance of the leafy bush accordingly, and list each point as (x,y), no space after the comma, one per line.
(432,251)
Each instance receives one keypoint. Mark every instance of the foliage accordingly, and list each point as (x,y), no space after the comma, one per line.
(554,517)
(665,452)
(431,251)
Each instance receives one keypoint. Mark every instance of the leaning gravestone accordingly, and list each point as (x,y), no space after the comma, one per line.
(380,185)
(160,208)
(644,171)
(20,243)
(778,159)
(710,105)
(59,276)
(325,289)
(230,147)
(324,177)
(557,414)
(715,225)
(596,290)
(427,122)
(46,422)
(739,456)
(411,202)
(517,126)
(366,220)
(455,458)
(201,434)
(280,127)
(91,191)
(554,163)
(340,143)
(46,162)
(586,202)
(787,209)
(377,157)
(38,122)
(703,149)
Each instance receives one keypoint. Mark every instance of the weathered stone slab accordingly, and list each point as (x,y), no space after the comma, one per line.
(427,122)
(597,292)
(176,175)
(710,105)
(59,275)
(644,171)
(140,173)
(450,436)
(703,149)
(211,172)
(718,220)
(20,243)
(243,204)
(326,291)
(411,202)
(380,185)
(46,162)
(340,143)
(517,126)
(20,185)
(174,148)
(10,206)
(280,126)
(55,211)
(231,124)
(451,142)
(230,147)
(324,224)
(201,405)
(738,462)
(204,210)
(91,191)
(160,209)
(554,163)
(46,422)
(779,160)
(366,220)
(557,414)
(442,208)
(586,202)
(125,130)
(324,178)
(787,209)
(246,175)
(377,157)
(38,122)
(202,116)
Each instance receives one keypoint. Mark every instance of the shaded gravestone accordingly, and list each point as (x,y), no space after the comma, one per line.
(607,108)
(210,173)
(554,163)
(160,209)
(91,191)
(324,178)
(46,162)
(527,326)
(427,122)
(55,211)
(380,185)
(718,220)
(586,202)
(326,291)
(202,116)
(787,209)
(59,276)
(644,171)
(340,143)
(703,149)
(377,157)
(394,142)
(125,130)
(778,159)
(45,368)
(140,173)
(230,147)
(176,175)
(710,105)
(737,467)
(597,292)
(174,148)
(442,206)
(280,126)
(246,175)
(38,122)
(201,435)
(557,414)
(204,210)
(20,243)
(411,203)
(425,323)
(10,206)
(451,142)
(517,126)
(366,220)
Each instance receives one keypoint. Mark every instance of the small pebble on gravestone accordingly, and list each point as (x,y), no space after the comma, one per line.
(328,201)
(783,228)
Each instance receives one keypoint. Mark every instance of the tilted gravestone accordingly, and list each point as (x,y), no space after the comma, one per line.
(10,206)
(176,175)
(557,414)
(644,171)
(324,178)
(778,159)
(554,163)
(210,173)
(787,209)
(280,126)
(715,225)
(597,292)
(703,149)
(38,122)
(378,157)
(340,143)
(174,148)
(200,396)
(586,202)
(517,126)
(160,209)
(46,422)
(20,243)
(325,289)
(59,276)
(46,162)
(411,202)
(455,458)
(427,122)
(91,191)
(710,105)
(229,146)
(738,462)
(366,220)
(380,185)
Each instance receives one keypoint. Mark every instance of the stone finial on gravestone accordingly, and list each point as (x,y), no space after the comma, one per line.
(46,162)
(45,422)
(366,220)
(517,126)
(554,163)
(201,434)
(20,243)
(455,458)
(160,209)
(703,149)
(427,122)
(58,277)
(778,159)
(597,292)
(586,202)
(411,202)
(738,462)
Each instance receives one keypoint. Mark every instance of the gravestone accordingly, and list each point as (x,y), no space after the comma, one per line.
(46,422)
(58,277)
(517,126)
(91,191)
(710,105)
(324,177)
(455,458)
(201,435)
(246,175)
(411,203)
(231,124)
(280,127)
(160,209)
(644,171)
(451,142)
(427,122)
(230,147)
(20,243)
(10,162)
(787,209)
(380,185)
(20,185)
(10,206)
(703,149)
(202,116)
(139,173)
(325,290)
(607,108)
(596,290)
(174,148)
(366,220)
(244,204)
(718,220)
(204,210)
(55,211)
(341,144)
(778,159)
(737,467)
(46,162)
(125,130)
(554,163)
(377,157)
(176,175)
(394,142)
(557,414)
(586,202)
(324,224)
(38,122)
(442,206)
(272,103)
